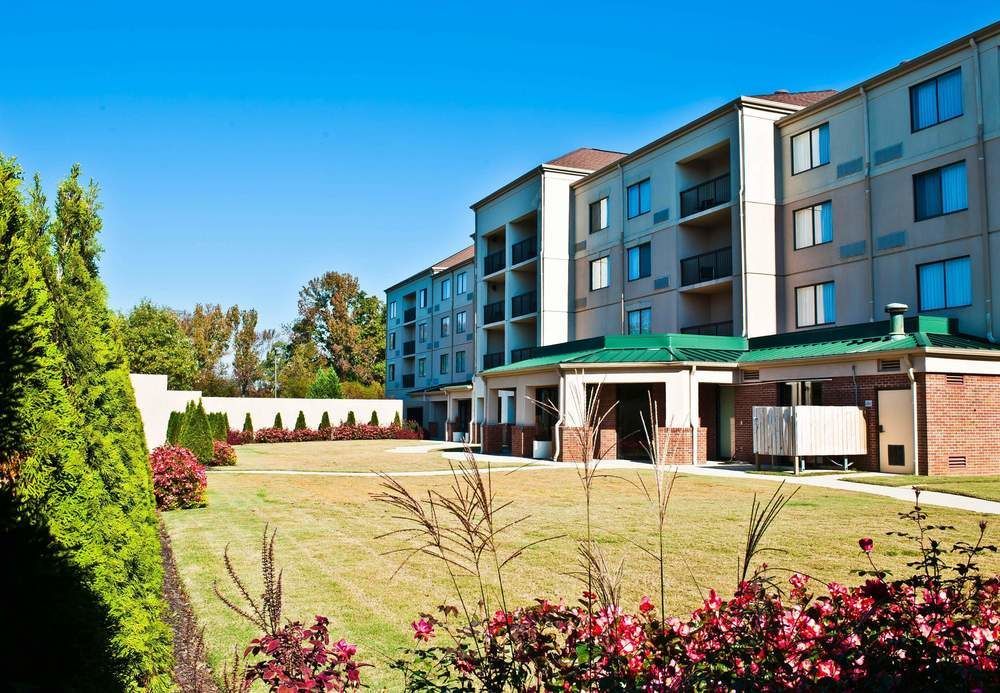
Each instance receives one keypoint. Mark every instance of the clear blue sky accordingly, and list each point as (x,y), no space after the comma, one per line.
(243,149)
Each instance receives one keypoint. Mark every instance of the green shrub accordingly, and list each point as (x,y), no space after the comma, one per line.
(326,385)
(196,434)
(374,420)
(174,426)
(396,420)
(351,421)
(355,390)
(219,425)
(277,422)
(300,421)
(324,423)
(247,424)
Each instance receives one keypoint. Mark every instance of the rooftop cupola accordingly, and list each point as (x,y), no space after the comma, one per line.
(896,325)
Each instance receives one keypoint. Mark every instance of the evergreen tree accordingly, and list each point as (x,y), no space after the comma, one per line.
(225,425)
(326,385)
(247,424)
(155,343)
(174,426)
(277,421)
(324,422)
(374,420)
(350,418)
(396,420)
(217,425)
(300,421)
(196,435)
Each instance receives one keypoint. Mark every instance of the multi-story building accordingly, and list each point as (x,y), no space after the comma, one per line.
(430,344)
(747,259)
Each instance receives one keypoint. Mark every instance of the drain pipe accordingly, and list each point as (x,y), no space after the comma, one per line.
(692,384)
(869,223)
(558,424)
(983,197)
(744,306)
(624,203)
(913,401)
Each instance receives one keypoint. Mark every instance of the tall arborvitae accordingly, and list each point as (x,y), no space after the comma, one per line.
(247,424)
(77,516)
(277,421)
(196,434)
(225,425)
(396,420)
(174,426)
(300,421)
(351,421)
(324,422)
(374,420)
(217,425)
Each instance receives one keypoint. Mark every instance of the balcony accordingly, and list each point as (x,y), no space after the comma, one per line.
(409,348)
(491,360)
(521,354)
(707,266)
(524,250)
(493,312)
(709,194)
(494,262)
(407,379)
(522,304)
(715,329)
(410,314)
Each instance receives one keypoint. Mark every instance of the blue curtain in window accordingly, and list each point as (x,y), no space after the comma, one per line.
(923,104)
(633,200)
(829,302)
(826,222)
(824,145)
(645,318)
(932,286)
(949,95)
(954,195)
(958,282)
(644,197)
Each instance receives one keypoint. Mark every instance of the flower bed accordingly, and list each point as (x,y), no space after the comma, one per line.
(370,432)
(344,432)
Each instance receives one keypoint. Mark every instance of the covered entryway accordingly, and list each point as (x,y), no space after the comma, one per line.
(631,413)
(895,431)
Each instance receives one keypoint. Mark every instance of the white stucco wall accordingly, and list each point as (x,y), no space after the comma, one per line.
(155,403)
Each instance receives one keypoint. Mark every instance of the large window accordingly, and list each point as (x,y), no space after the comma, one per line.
(460,322)
(946,284)
(392,309)
(443,364)
(816,305)
(638,198)
(813,225)
(423,298)
(446,326)
(445,289)
(639,262)
(461,283)
(940,191)
(422,367)
(599,215)
(936,100)
(460,362)
(639,321)
(600,273)
(811,148)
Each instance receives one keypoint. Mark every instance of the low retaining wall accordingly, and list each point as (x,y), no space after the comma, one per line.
(155,403)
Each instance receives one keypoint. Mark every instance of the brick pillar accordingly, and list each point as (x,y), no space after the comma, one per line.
(523,441)
(747,397)
(492,438)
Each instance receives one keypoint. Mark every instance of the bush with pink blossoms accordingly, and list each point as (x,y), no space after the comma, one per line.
(239,437)
(178,478)
(300,659)
(223,454)
(281,435)
(370,432)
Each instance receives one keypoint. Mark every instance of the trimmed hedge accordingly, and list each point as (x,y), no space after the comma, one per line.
(324,422)
(277,421)
(363,432)
(300,421)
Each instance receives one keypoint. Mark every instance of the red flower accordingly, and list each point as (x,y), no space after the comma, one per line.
(645,606)
(866,544)
(422,630)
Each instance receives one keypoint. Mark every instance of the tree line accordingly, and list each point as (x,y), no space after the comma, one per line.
(334,348)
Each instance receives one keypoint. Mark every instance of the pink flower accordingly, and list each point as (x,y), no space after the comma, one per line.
(645,606)
(422,630)
(866,544)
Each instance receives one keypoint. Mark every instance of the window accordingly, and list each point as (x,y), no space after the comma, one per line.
(811,148)
(421,367)
(460,362)
(443,364)
(936,100)
(599,215)
(461,283)
(600,273)
(639,262)
(392,340)
(423,298)
(446,326)
(392,372)
(422,332)
(445,289)
(639,321)
(638,198)
(460,322)
(946,284)
(813,225)
(940,191)
(815,305)
(392,309)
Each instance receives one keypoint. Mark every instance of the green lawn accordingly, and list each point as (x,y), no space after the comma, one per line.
(985,487)
(334,565)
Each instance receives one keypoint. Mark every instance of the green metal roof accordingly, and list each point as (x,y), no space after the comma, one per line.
(922,331)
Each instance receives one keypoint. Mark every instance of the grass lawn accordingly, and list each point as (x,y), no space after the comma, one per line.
(334,565)
(985,487)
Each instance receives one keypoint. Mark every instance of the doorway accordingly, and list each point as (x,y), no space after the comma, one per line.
(895,432)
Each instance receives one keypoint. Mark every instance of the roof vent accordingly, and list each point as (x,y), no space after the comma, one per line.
(895,311)
(781,91)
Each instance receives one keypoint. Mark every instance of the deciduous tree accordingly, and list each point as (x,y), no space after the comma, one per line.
(210,328)
(155,343)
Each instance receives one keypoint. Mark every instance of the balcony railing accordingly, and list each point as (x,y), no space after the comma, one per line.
(493,312)
(494,262)
(492,360)
(407,379)
(706,195)
(410,314)
(525,303)
(707,266)
(717,329)
(409,348)
(524,250)
(521,354)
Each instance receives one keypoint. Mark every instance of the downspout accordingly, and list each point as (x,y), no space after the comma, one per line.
(621,178)
(983,197)
(556,438)
(913,401)
(539,235)
(869,224)
(692,384)
(743,232)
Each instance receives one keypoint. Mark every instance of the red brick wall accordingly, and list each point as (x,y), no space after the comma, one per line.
(493,438)
(676,445)
(522,441)
(962,420)
(746,398)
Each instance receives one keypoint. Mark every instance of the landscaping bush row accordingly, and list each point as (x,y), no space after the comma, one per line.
(343,432)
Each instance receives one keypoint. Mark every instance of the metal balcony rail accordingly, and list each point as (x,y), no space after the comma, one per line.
(493,312)
(494,262)
(410,314)
(409,348)
(707,266)
(716,329)
(525,303)
(492,360)
(706,195)
(524,250)
(407,379)
(521,354)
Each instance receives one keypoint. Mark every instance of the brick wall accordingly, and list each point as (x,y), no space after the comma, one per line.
(676,445)
(962,420)
(522,441)
(573,440)
(493,435)
(746,398)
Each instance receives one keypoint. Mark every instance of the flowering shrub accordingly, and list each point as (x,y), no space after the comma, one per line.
(281,435)
(239,437)
(178,478)
(223,454)
(344,432)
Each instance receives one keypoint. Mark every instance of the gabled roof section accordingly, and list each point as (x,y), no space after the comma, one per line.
(454,260)
(586,158)
(797,98)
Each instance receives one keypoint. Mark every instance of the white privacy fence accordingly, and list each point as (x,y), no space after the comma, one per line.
(155,403)
(806,431)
